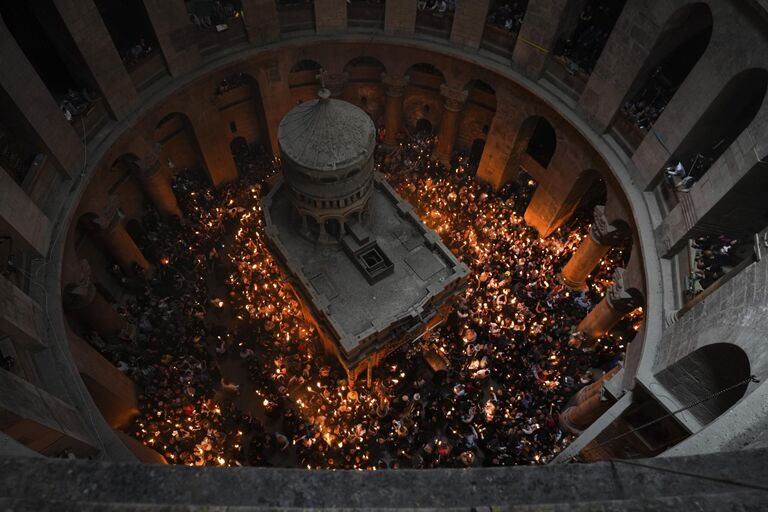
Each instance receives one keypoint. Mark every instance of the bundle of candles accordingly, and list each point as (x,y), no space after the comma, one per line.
(231,372)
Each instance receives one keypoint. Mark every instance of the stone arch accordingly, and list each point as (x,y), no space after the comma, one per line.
(239,100)
(705,371)
(302,80)
(731,112)
(477,115)
(179,146)
(364,87)
(422,96)
(680,45)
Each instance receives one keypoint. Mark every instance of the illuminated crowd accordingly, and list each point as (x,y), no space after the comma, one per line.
(230,373)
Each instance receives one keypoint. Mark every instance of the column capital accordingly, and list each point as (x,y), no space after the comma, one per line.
(454,98)
(603,232)
(149,164)
(395,84)
(617,296)
(80,293)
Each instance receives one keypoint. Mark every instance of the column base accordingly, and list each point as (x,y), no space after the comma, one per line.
(573,285)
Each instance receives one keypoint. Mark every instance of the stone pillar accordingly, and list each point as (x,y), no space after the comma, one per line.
(602,236)
(261,21)
(213,138)
(85,302)
(21,219)
(157,185)
(119,244)
(174,33)
(393,110)
(400,17)
(449,126)
(40,421)
(594,388)
(578,417)
(37,107)
(112,392)
(85,25)
(616,303)
(330,15)
(469,23)
(21,318)
(543,23)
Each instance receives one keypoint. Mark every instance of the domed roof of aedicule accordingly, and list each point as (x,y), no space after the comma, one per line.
(326,134)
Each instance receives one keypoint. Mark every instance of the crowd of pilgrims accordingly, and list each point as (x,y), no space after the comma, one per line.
(230,373)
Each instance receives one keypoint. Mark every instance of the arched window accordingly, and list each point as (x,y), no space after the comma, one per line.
(682,42)
(543,141)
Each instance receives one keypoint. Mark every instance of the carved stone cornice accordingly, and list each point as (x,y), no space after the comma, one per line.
(617,295)
(454,98)
(395,84)
(603,232)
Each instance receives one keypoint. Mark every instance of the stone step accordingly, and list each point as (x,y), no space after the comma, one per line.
(80,484)
(746,501)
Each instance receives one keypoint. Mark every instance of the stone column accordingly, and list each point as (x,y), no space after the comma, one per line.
(393,111)
(400,17)
(330,15)
(449,126)
(41,421)
(37,107)
(469,23)
(21,219)
(602,236)
(157,185)
(21,318)
(85,25)
(261,21)
(112,392)
(175,36)
(594,388)
(84,301)
(119,244)
(544,21)
(616,303)
(578,417)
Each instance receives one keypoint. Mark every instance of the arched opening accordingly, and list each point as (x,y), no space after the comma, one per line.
(303,82)
(180,150)
(434,18)
(366,14)
(134,38)
(476,152)
(363,87)
(580,43)
(423,128)
(542,142)
(238,98)
(477,115)
(725,119)
(296,15)
(704,372)
(41,34)
(682,42)
(422,97)
(502,25)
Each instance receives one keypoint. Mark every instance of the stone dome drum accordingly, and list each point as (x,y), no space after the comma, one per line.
(327,147)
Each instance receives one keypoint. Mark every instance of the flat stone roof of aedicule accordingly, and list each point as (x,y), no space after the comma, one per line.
(423,266)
